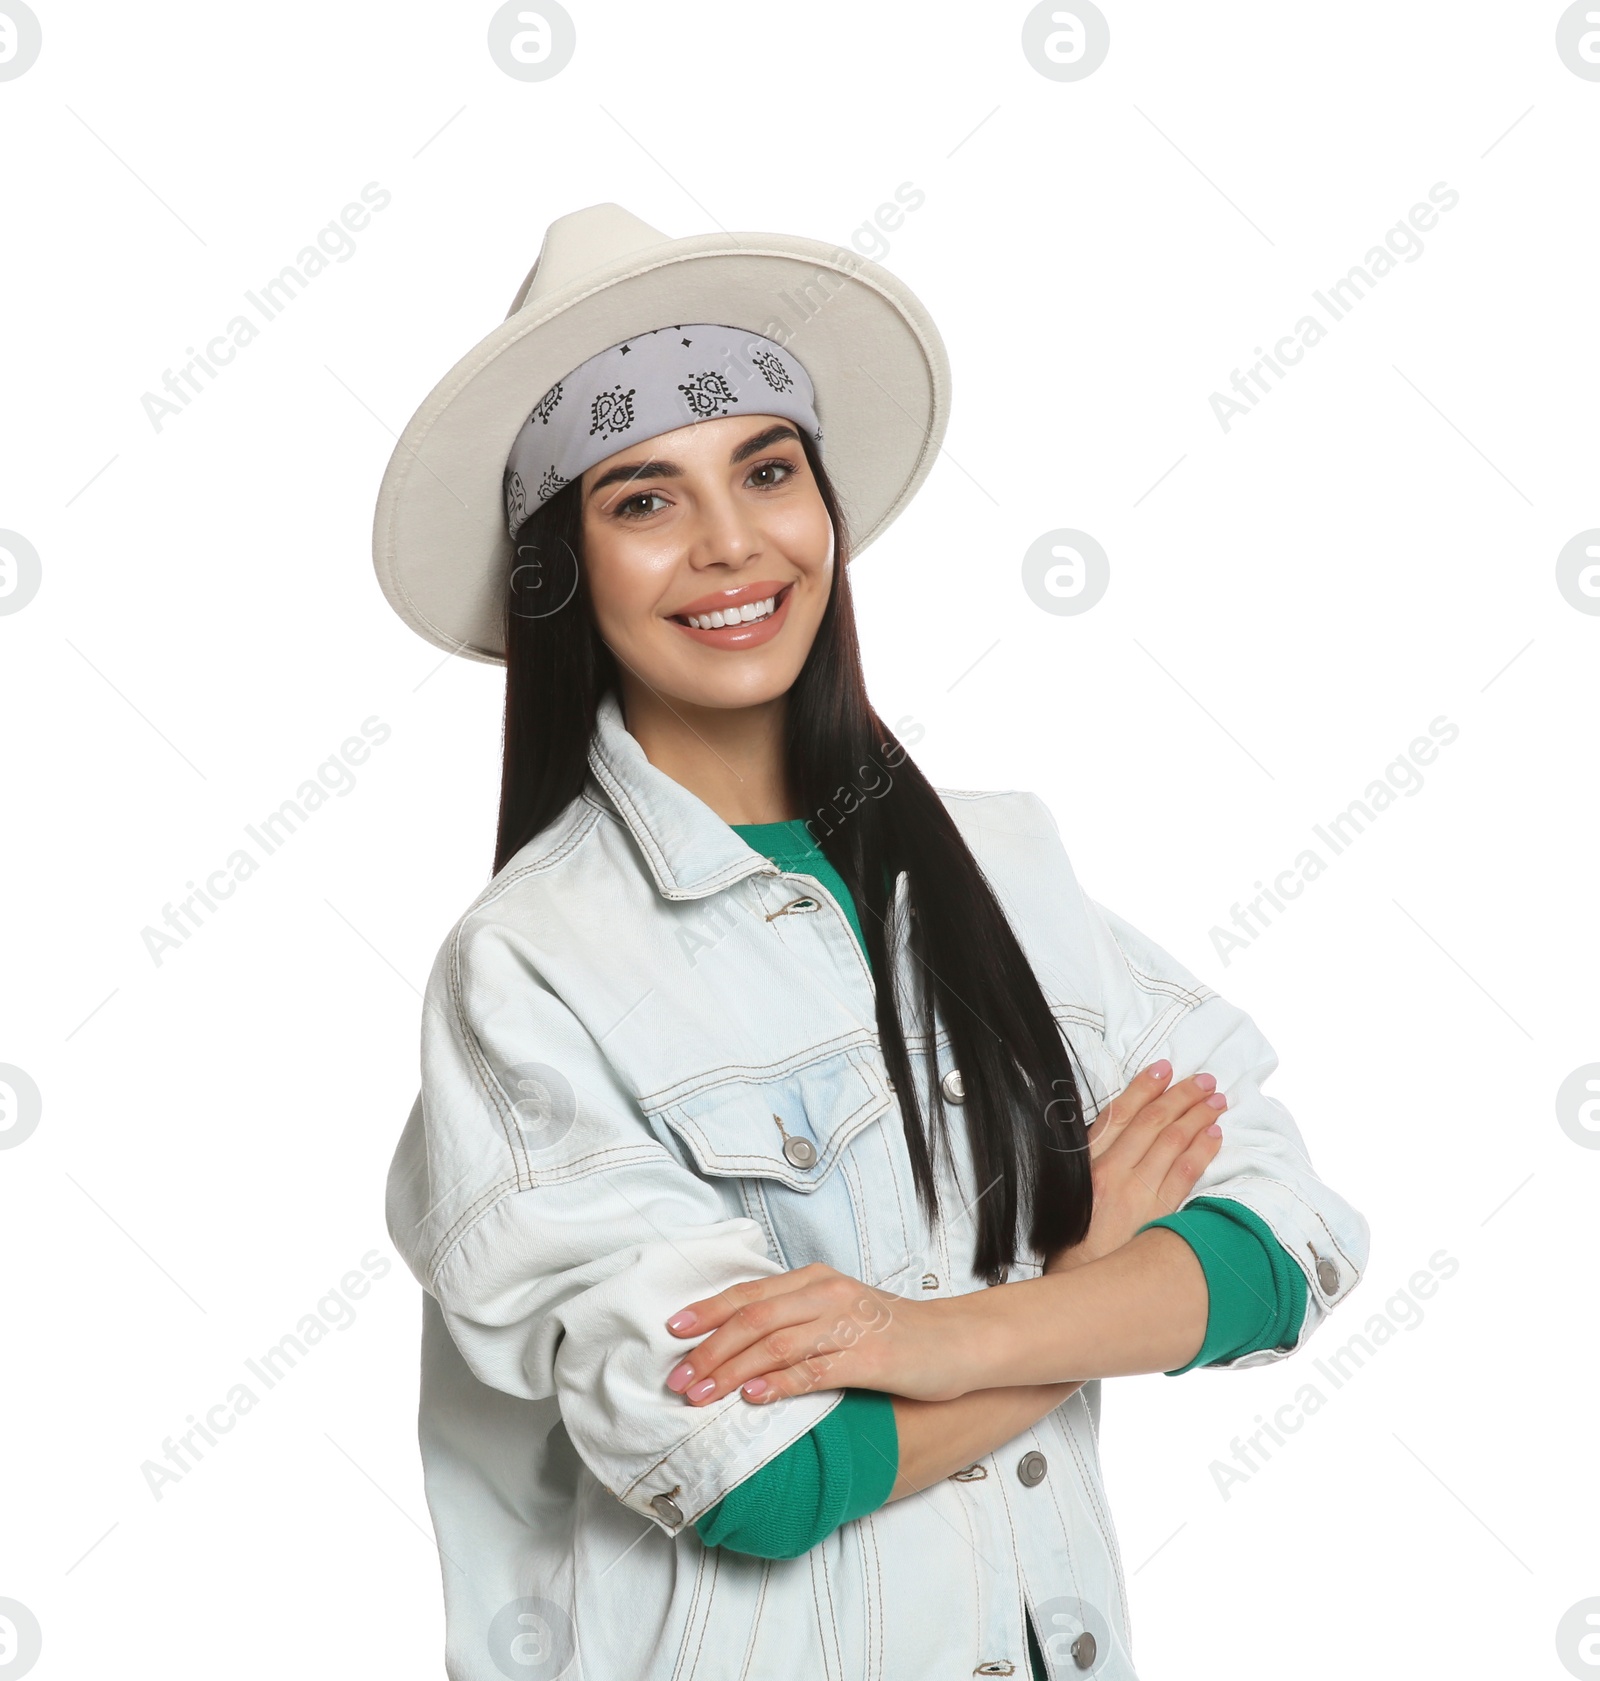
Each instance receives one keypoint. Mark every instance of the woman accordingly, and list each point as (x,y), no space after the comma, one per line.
(778,1185)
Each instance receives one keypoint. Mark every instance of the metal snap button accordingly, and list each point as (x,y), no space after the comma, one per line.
(668,1510)
(800,1152)
(1084,1650)
(889,1083)
(1031,1469)
(930,1281)
(1327,1274)
(972,1474)
(951,1086)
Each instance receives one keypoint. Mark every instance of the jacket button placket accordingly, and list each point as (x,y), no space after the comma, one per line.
(991,1536)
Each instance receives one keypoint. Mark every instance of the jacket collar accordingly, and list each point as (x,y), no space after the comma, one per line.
(689,850)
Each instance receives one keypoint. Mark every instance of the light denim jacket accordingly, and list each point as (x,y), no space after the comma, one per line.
(650,1069)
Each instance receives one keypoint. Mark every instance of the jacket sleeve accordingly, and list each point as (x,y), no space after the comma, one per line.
(1140,1003)
(1155,1007)
(531,1198)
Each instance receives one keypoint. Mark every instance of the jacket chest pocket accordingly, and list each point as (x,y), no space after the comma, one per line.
(818,1157)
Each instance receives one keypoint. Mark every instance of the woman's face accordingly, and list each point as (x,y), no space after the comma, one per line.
(707,552)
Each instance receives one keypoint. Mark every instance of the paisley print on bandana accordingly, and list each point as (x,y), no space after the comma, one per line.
(772,371)
(611,413)
(708,395)
(653,382)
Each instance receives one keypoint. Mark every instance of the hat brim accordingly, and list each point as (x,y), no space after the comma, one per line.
(876,361)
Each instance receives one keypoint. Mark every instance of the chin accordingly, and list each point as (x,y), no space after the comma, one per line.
(758,684)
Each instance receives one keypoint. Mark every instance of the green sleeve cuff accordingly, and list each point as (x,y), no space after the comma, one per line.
(1257,1292)
(838,1471)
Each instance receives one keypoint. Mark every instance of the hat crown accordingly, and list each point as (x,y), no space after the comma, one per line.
(580,243)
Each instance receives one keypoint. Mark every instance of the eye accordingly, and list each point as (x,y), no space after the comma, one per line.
(640,505)
(766,474)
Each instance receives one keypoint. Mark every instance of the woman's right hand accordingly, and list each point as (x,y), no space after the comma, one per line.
(1147,1148)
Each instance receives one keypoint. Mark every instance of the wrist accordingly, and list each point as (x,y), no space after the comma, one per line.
(967,1350)
(1065,1260)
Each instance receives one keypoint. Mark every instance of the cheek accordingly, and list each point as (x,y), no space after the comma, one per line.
(801,533)
(626,577)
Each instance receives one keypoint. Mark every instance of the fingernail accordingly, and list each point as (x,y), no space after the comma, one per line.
(678,1378)
(756,1388)
(685,1321)
(702,1389)
(1214,1130)
(1206,1082)
(1159,1070)
(1216,1101)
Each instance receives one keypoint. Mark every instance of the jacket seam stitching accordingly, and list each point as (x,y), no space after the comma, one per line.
(615,1156)
(1283,1185)
(730,1073)
(535,866)
(765,1167)
(755,1619)
(699,1430)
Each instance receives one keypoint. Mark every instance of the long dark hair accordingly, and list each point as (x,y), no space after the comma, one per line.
(874,814)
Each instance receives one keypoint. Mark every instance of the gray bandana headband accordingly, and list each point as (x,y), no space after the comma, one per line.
(641,388)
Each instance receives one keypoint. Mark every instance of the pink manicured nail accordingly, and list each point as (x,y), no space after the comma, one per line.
(1216,1101)
(681,1322)
(1159,1070)
(702,1389)
(1206,1082)
(678,1378)
(756,1388)
(1214,1130)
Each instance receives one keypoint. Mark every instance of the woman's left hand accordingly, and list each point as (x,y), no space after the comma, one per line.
(820,1329)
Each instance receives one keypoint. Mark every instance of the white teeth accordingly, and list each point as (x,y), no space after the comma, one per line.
(747,614)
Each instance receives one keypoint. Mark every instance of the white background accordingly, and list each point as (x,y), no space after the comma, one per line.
(1291,601)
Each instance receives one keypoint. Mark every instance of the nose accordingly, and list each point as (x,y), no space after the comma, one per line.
(725,533)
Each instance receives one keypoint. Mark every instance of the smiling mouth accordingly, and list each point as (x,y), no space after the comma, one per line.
(729,618)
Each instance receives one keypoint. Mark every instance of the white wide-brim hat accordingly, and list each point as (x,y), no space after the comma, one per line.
(876,361)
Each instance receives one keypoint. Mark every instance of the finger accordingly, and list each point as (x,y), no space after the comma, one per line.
(1181,1178)
(749,1323)
(1180,1155)
(711,1311)
(811,1356)
(831,1300)
(1141,1130)
(805,1379)
(1140,1090)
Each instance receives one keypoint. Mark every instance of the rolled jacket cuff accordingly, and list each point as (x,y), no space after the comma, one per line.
(731,1441)
(1256,1293)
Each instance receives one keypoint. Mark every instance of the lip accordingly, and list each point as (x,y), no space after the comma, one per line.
(721,600)
(742,636)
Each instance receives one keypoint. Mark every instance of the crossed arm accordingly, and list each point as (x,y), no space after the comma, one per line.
(1141,1309)
(968,1373)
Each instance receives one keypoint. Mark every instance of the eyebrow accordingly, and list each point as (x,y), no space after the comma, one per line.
(761,441)
(670,470)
